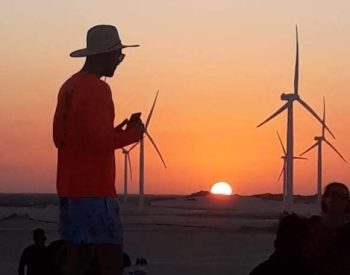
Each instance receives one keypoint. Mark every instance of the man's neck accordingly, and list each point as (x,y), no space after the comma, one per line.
(91,69)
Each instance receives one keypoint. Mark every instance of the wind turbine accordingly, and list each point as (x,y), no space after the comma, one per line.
(283,171)
(142,154)
(318,144)
(127,164)
(290,98)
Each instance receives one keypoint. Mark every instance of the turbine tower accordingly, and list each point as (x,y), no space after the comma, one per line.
(283,171)
(318,144)
(127,164)
(142,154)
(290,98)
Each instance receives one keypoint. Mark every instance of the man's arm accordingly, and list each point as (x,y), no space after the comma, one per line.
(22,263)
(101,123)
(59,117)
(125,137)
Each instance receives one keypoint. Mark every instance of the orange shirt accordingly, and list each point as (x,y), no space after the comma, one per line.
(84,134)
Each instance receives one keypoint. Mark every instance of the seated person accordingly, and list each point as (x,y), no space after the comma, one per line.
(330,232)
(290,248)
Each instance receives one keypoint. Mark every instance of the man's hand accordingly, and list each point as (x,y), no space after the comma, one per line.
(135,129)
(133,132)
(121,125)
(137,126)
(134,119)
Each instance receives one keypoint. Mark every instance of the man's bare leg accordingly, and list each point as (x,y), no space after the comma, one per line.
(79,259)
(109,258)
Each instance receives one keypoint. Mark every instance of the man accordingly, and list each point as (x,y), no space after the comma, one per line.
(35,257)
(86,138)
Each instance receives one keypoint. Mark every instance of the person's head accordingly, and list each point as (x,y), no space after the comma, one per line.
(104,64)
(103,50)
(292,234)
(335,199)
(39,236)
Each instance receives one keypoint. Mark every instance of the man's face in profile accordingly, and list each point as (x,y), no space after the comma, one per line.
(113,59)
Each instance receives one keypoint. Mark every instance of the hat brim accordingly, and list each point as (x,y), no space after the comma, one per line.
(86,52)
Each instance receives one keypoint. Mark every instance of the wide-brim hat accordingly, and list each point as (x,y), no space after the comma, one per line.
(101,39)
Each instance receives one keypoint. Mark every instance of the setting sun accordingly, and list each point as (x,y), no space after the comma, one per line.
(221,188)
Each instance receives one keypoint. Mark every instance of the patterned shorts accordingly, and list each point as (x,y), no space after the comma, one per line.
(90,221)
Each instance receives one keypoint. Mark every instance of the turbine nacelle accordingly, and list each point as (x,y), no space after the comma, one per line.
(285,157)
(289,97)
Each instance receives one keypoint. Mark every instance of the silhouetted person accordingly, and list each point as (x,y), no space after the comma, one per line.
(289,257)
(85,136)
(35,257)
(330,232)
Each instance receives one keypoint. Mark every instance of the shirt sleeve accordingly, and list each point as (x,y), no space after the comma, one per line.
(61,115)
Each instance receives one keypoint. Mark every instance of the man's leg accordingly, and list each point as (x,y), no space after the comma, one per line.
(79,259)
(109,259)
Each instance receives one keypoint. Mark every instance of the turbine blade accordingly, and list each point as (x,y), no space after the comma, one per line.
(324,116)
(284,149)
(299,158)
(151,112)
(129,161)
(310,148)
(340,155)
(296,72)
(307,107)
(324,109)
(285,106)
(133,146)
(281,173)
(155,147)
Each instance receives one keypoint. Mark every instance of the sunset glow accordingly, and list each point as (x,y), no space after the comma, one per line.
(220,68)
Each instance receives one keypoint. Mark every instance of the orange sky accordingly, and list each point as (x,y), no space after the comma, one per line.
(220,67)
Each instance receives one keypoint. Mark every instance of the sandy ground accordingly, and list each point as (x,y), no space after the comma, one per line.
(207,235)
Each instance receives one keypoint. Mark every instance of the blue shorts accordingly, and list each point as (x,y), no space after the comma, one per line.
(90,221)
